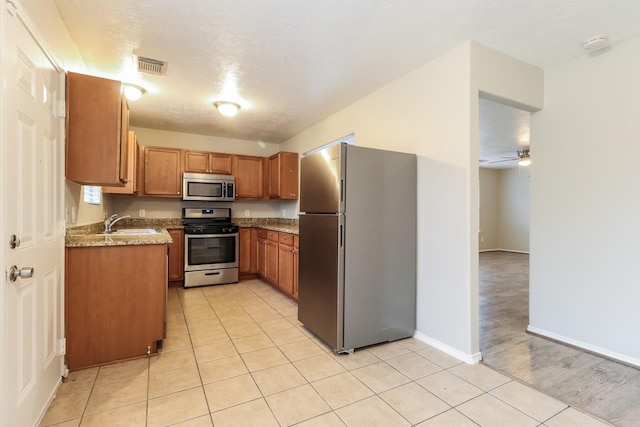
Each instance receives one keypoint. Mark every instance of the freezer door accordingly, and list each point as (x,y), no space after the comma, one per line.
(321,181)
(320,277)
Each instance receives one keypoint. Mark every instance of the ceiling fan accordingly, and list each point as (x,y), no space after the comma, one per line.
(522,156)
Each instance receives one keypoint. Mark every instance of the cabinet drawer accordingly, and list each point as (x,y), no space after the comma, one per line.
(272,235)
(286,239)
(262,233)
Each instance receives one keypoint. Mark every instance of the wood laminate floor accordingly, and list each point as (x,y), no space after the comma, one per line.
(596,385)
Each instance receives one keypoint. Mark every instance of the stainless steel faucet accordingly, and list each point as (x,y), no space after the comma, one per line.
(112,220)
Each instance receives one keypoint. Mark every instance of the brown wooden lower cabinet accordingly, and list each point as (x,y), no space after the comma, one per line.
(261,253)
(277,259)
(247,250)
(285,268)
(296,252)
(271,255)
(176,256)
(115,302)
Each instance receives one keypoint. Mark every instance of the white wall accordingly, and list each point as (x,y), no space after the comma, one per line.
(172,208)
(585,204)
(489,209)
(514,208)
(439,124)
(504,209)
(163,138)
(49,23)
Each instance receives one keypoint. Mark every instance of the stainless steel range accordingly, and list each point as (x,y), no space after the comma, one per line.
(210,247)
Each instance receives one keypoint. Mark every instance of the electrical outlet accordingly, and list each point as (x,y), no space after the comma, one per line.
(67,215)
(142,213)
(247,213)
(284,213)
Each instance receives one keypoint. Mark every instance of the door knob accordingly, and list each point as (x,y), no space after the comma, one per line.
(23,273)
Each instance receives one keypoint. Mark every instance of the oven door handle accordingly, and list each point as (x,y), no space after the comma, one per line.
(200,236)
(215,273)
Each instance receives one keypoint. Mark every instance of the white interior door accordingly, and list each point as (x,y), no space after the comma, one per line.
(32,144)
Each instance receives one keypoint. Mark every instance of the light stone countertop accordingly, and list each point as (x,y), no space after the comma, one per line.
(285,225)
(86,235)
(93,240)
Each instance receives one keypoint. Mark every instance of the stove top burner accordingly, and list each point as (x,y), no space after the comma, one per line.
(208,221)
(210,228)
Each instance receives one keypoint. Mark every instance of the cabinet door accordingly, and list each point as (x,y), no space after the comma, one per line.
(162,172)
(176,255)
(285,269)
(289,172)
(95,130)
(261,252)
(274,176)
(244,251)
(283,176)
(125,175)
(272,262)
(221,163)
(296,246)
(249,177)
(196,161)
(132,162)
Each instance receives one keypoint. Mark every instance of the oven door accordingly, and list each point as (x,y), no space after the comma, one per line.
(210,251)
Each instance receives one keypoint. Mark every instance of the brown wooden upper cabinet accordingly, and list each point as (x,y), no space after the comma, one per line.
(162,175)
(249,172)
(97,131)
(283,176)
(131,187)
(206,162)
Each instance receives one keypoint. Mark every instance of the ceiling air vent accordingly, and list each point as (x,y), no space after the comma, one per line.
(151,66)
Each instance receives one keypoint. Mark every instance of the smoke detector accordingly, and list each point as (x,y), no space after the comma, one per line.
(596,43)
(151,66)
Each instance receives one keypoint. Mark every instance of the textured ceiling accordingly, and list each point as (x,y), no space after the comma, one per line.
(291,63)
(502,131)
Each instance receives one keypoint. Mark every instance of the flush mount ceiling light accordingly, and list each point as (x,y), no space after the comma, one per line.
(227,108)
(595,43)
(132,92)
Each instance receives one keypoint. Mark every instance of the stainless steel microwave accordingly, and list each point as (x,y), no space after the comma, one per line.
(207,187)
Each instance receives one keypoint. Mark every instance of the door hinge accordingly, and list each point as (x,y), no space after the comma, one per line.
(61,108)
(62,346)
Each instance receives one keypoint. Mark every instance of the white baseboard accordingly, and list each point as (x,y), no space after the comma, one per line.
(585,346)
(470,359)
(504,250)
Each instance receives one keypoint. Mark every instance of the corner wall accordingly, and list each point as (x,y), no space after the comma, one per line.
(585,204)
(439,124)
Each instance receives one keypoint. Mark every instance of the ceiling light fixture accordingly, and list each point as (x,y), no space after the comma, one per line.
(227,108)
(596,43)
(132,92)
(525,160)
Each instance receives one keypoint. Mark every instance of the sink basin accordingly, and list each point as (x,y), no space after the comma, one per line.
(131,232)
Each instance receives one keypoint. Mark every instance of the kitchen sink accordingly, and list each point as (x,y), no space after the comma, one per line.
(131,232)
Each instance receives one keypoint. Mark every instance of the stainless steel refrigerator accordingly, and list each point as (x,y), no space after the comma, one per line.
(357,271)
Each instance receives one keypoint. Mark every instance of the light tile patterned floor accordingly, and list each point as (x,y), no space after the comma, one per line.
(235,355)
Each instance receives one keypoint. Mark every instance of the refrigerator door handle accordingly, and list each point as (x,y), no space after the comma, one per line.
(341,190)
(341,233)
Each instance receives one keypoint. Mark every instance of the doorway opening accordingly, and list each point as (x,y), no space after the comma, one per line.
(504,230)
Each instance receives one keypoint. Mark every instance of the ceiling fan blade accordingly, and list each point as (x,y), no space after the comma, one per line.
(505,160)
